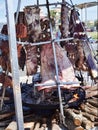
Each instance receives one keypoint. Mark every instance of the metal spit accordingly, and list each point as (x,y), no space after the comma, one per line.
(56,67)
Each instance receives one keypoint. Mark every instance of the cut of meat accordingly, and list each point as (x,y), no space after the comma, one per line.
(31,59)
(65,69)
(32,15)
(21,31)
(21,56)
(64,21)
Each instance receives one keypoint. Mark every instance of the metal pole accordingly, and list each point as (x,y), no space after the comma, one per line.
(86,15)
(56,66)
(82,14)
(50,4)
(37,2)
(14,64)
(18,9)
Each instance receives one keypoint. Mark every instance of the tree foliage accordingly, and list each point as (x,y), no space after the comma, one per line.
(96,24)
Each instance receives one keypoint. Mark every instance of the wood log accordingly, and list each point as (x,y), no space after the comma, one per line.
(96,123)
(90,93)
(91,88)
(8,115)
(79,128)
(85,114)
(5,98)
(12,126)
(70,124)
(87,124)
(88,109)
(77,118)
(3,124)
(43,127)
(29,125)
(37,126)
(89,105)
(55,127)
(93,102)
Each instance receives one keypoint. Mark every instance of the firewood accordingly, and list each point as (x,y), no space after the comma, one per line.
(79,128)
(87,124)
(77,118)
(90,93)
(2,116)
(85,114)
(12,126)
(55,127)
(89,105)
(5,98)
(3,124)
(88,109)
(93,88)
(70,124)
(93,102)
(95,123)
(88,116)
(37,126)
(43,127)
(29,125)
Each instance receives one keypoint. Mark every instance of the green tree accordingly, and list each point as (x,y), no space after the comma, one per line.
(96,24)
(53,14)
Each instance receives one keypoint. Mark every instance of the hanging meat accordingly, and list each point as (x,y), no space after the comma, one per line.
(4,30)
(5,56)
(45,34)
(74,48)
(72,22)
(21,31)
(31,59)
(64,20)
(6,80)
(21,28)
(64,23)
(66,71)
(21,56)
(32,15)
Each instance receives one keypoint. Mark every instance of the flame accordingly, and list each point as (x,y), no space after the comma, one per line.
(76,96)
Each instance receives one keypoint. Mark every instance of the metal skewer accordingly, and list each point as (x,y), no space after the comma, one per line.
(56,67)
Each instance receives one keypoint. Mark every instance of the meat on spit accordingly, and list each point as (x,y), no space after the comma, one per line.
(32,15)
(65,68)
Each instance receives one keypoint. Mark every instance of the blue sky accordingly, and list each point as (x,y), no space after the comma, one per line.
(91,12)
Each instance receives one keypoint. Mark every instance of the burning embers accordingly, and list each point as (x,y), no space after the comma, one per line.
(74,98)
